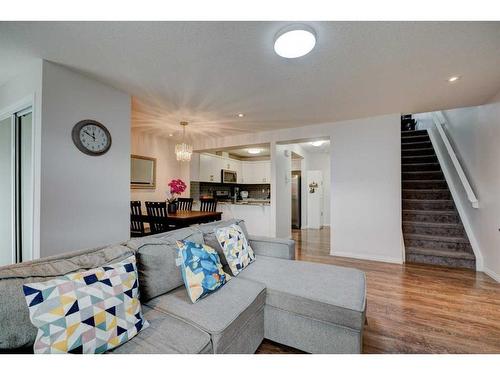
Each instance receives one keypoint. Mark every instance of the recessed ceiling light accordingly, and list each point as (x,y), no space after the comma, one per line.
(294,41)
(254,151)
(170,135)
(317,143)
(241,115)
(454,79)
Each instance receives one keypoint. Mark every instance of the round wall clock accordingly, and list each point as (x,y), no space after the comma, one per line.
(91,137)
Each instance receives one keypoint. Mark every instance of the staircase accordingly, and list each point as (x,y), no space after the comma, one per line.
(432,230)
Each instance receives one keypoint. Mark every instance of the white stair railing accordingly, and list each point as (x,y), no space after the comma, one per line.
(439,121)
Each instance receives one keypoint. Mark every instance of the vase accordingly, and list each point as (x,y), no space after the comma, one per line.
(172,208)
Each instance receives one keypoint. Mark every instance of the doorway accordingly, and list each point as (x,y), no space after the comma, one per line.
(296,199)
(16,187)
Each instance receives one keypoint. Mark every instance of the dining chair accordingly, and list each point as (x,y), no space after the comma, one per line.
(208,205)
(136,224)
(185,204)
(158,218)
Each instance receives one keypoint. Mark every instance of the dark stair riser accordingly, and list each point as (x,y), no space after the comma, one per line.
(426,194)
(451,231)
(418,152)
(415,138)
(431,217)
(425,184)
(419,159)
(431,175)
(430,205)
(416,145)
(421,167)
(441,261)
(438,245)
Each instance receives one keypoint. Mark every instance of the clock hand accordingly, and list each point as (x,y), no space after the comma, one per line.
(90,135)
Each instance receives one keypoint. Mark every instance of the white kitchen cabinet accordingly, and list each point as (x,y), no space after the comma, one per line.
(207,168)
(256,172)
(210,167)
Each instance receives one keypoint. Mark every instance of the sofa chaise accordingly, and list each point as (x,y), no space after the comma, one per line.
(313,307)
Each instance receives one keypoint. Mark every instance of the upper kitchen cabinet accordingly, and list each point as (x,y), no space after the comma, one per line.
(210,168)
(256,172)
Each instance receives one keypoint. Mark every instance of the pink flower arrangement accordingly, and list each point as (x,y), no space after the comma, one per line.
(177,187)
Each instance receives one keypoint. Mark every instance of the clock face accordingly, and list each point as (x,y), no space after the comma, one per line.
(91,137)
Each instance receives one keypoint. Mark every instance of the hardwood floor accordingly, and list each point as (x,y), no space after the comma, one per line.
(415,308)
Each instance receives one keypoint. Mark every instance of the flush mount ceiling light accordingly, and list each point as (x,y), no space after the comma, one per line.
(254,151)
(241,115)
(454,79)
(317,143)
(183,150)
(294,41)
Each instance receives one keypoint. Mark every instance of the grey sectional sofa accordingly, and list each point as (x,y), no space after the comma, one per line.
(310,306)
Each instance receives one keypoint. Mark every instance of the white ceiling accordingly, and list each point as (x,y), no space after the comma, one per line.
(323,149)
(208,72)
(243,152)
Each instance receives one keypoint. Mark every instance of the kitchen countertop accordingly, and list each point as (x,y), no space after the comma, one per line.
(248,202)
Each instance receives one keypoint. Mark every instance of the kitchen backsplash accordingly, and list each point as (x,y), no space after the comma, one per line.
(255,191)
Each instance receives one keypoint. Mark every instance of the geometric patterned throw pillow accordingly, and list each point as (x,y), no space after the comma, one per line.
(237,251)
(201,269)
(86,312)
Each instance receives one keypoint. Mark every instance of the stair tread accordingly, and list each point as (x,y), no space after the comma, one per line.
(414,131)
(426,190)
(431,224)
(414,164)
(418,149)
(431,212)
(415,200)
(415,136)
(440,253)
(437,238)
(417,172)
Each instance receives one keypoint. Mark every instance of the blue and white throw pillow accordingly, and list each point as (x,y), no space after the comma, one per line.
(236,248)
(201,269)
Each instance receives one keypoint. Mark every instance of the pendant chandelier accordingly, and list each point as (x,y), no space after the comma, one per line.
(183,150)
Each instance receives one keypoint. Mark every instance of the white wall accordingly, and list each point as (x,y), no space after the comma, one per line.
(475,134)
(281,190)
(84,199)
(365,180)
(321,161)
(167,167)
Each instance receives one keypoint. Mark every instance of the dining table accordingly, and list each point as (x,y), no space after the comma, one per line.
(181,218)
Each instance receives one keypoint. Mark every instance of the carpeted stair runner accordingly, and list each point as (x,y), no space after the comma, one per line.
(432,230)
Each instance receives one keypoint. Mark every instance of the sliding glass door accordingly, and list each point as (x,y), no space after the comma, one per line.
(16,188)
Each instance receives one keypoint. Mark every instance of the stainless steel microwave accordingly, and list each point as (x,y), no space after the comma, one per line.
(228,177)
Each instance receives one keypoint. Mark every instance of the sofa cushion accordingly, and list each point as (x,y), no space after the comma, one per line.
(223,314)
(201,269)
(16,330)
(166,335)
(320,291)
(234,244)
(156,255)
(86,312)
(210,237)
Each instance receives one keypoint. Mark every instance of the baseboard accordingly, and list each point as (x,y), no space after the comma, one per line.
(495,276)
(367,257)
